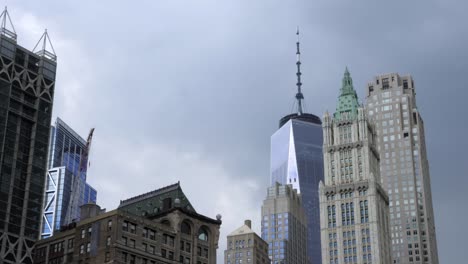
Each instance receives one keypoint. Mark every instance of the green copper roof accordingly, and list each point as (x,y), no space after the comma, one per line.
(156,201)
(347,101)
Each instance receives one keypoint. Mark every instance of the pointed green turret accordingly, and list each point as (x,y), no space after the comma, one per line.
(347,101)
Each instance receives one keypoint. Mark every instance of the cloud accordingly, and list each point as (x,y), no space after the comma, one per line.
(193,90)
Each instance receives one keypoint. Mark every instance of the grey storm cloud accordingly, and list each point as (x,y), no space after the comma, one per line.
(193,90)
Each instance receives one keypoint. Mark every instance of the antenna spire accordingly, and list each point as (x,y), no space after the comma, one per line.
(6,26)
(299,95)
(44,48)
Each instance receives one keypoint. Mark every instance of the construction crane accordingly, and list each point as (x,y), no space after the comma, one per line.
(77,179)
(85,153)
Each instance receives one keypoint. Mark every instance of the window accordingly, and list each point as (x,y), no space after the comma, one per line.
(125,226)
(70,243)
(152,249)
(108,241)
(152,234)
(385,84)
(83,233)
(132,228)
(109,225)
(90,230)
(88,247)
(185,228)
(107,257)
(168,240)
(82,249)
(203,234)
(132,243)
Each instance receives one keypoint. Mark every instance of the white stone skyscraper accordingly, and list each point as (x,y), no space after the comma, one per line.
(391,104)
(354,210)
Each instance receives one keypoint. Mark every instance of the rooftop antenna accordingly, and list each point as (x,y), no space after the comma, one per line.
(44,52)
(4,21)
(299,95)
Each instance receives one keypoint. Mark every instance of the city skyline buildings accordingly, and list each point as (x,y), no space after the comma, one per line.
(66,187)
(296,158)
(284,225)
(27,84)
(391,104)
(353,205)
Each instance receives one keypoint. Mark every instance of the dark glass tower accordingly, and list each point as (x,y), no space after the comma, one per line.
(66,188)
(297,159)
(27,83)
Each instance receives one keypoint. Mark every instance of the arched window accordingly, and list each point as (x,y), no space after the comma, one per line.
(203,234)
(185,228)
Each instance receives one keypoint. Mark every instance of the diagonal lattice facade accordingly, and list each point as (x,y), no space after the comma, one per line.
(27,82)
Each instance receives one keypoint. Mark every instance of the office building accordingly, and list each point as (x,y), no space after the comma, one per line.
(404,168)
(245,246)
(353,206)
(296,158)
(27,84)
(284,225)
(66,187)
(169,233)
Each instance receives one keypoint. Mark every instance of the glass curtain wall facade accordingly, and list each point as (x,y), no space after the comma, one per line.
(27,83)
(391,103)
(66,185)
(297,159)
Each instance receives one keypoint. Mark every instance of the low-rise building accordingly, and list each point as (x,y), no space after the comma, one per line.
(245,246)
(175,234)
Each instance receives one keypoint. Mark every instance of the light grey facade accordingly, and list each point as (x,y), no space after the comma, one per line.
(284,225)
(245,246)
(353,206)
(391,104)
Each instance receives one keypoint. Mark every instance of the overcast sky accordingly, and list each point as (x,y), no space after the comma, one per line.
(193,90)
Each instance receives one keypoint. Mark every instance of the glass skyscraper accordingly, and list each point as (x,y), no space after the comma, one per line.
(297,159)
(27,84)
(66,187)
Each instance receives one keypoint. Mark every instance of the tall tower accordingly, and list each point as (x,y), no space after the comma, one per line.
(284,225)
(296,159)
(27,84)
(353,206)
(66,187)
(391,103)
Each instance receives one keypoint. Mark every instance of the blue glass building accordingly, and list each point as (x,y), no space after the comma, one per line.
(297,159)
(66,188)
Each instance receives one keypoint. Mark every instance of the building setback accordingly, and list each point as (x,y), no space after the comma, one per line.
(284,225)
(296,158)
(353,205)
(66,188)
(27,84)
(245,246)
(172,234)
(391,104)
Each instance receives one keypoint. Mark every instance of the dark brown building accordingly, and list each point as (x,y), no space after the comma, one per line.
(173,234)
